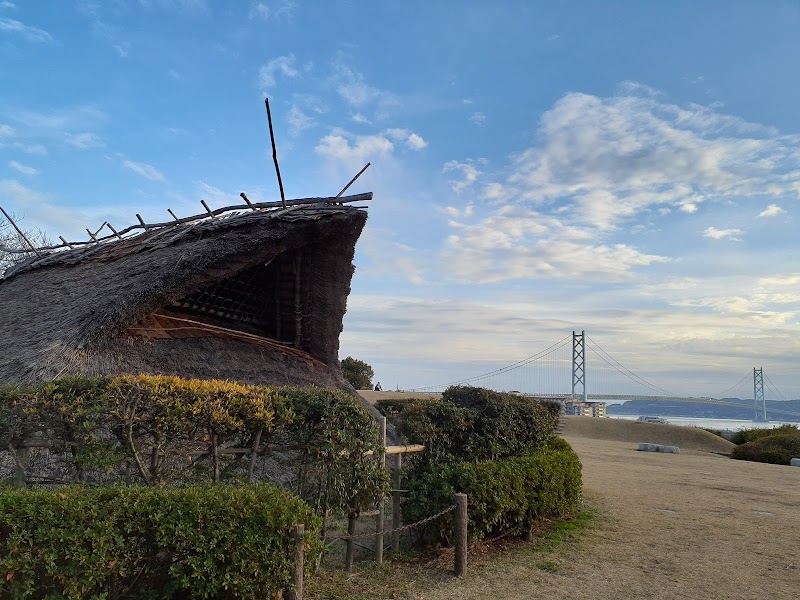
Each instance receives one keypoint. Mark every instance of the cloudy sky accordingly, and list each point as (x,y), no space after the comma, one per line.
(627,168)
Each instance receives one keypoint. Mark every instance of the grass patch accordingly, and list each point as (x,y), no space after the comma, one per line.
(410,574)
(549,566)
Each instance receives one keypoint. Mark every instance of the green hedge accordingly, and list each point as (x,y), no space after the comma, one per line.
(506,496)
(744,436)
(161,430)
(777,449)
(136,542)
(473,424)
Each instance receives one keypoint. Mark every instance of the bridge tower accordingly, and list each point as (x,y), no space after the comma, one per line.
(579,365)
(760,404)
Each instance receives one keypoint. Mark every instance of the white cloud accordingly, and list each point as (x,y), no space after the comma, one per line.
(359,118)
(343,146)
(299,121)
(494,191)
(36,149)
(721,234)
(281,10)
(6,131)
(24,169)
(478,118)
(773,210)
(611,158)
(353,88)
(52,124)
(517,243)
(84,141)
(28,33)
(469,174)
(409,138)
(145,170)
(8,5)
(283,65)
(415,142)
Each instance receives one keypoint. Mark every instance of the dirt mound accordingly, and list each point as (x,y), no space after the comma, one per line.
(634,432)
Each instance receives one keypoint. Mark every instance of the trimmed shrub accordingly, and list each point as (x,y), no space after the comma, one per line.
(506,496)
(167,430)
(332,438)
(744,436)
(777,449)
(473,424)
(140,429)
(137,542)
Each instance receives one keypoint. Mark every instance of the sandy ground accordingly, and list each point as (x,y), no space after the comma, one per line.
(692,525)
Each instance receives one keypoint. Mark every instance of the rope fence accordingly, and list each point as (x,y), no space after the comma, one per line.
(459,506)
(370,534)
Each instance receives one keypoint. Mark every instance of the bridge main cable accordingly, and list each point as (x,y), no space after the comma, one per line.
(521,363)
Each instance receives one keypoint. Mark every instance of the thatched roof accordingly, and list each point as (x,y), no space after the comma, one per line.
(256,296)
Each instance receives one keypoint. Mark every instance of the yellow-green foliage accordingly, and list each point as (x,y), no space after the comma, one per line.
(219,542)
(162,430)
(152,421)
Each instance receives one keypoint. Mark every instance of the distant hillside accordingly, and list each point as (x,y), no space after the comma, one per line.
(708,411)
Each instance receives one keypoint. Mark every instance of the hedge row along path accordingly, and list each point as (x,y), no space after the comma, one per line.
(671,526)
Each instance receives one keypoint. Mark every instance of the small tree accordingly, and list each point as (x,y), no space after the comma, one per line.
(10,239)
(357,373)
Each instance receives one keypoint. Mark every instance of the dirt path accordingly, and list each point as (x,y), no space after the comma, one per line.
(687,526)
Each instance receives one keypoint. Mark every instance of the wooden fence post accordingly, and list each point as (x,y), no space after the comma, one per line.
(296,592)
(380,520)
(351,530)
(460,525)
(397,517)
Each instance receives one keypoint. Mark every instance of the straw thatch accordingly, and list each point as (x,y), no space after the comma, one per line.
(256,297)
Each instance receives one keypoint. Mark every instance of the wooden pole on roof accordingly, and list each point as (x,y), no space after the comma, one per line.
(114,231)
(19,231)
(275,152)
(203,202)
(246,199)
(344,189)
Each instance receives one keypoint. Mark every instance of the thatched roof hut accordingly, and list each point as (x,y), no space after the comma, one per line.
(255,296)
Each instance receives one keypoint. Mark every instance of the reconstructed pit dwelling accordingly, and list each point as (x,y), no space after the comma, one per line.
(255,293)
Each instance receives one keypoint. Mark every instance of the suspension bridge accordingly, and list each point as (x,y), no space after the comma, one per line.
(547,374)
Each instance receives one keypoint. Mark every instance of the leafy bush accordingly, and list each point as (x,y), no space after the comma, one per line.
(162,430)
(744,436)
(497,448)
(777,449)
(137,542)
(473,424)
(333,438)
(144,427)
(506,496)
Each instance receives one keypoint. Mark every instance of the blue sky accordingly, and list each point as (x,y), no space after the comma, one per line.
(627,168)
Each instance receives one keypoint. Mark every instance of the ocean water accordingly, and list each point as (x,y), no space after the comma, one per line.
(722,424)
